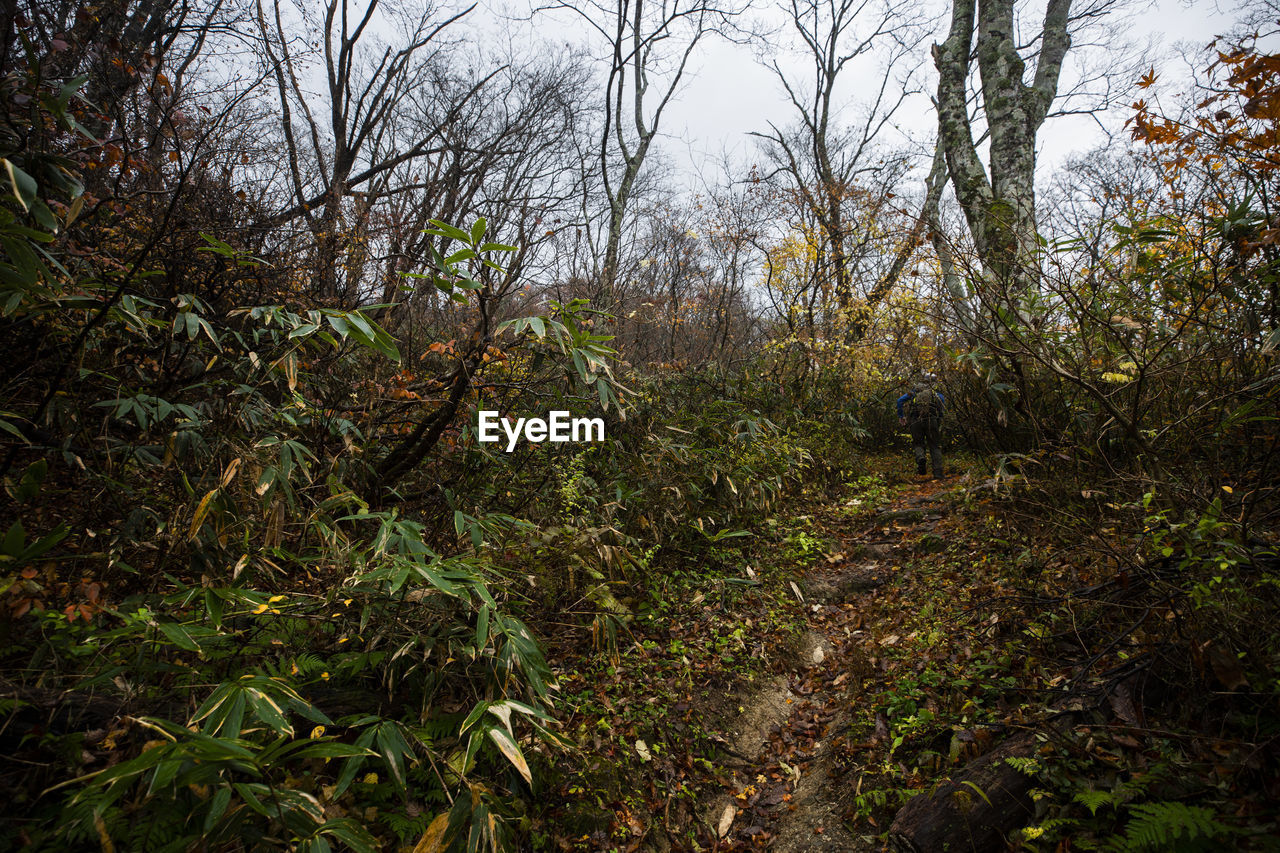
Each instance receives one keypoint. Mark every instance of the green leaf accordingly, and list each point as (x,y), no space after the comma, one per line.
(14,540)
(502,710)
(11,429)
(482,627)
(268,711)
(32,478)
(353,765)
(339,324)
(24,260)
(318,844)
(216,246)
(217,807)
(164,773)
(352,834)
(214,604)
(444,229)
(249,793)
(361,324)
(394,749)
(474,717)
(43,214)
(436,579)
(384,343)
(1093,800)
(265,481)
(369,334)
(179,636)
(332,749)
(477,230)
(230,717)
(977,790)
(24,186)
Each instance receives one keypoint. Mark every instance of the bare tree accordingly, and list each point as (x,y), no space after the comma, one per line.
(650,45)
(510,156)
(348,137)
(832,167)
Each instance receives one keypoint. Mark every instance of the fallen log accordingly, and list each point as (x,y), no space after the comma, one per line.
(975,810)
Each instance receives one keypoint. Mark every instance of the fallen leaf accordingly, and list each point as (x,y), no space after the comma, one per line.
(1226,668)
(726,820)
(1122,703)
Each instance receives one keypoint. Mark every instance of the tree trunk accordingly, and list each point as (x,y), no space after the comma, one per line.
(932,218)
(1000,211)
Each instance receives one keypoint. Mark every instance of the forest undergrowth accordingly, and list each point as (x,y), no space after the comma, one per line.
(264,585)
(899,632)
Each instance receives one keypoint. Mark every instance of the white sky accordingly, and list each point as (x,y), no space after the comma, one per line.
(730,94)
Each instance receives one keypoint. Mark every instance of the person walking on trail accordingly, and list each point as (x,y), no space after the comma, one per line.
(920,410)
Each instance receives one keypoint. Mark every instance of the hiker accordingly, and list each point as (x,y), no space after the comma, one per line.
(920,410)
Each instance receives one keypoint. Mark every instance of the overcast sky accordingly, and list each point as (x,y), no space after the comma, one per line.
(730,93)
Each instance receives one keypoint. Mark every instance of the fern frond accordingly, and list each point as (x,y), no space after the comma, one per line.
(405,827)
(438,728)
(1025,766)
(1169,826)
(310,664)
(1094,800)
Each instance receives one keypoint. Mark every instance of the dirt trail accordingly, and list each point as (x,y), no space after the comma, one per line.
(788,791)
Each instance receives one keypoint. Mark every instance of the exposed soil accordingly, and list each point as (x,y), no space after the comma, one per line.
(786,795)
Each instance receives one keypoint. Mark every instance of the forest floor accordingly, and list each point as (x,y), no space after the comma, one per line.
(793,792)
(792,690)
(746,708)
